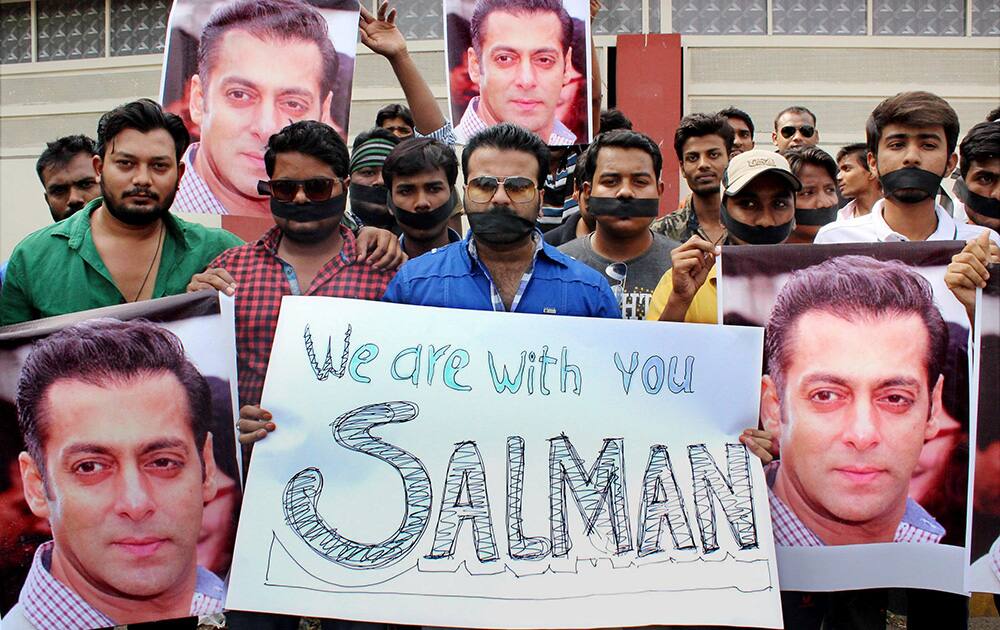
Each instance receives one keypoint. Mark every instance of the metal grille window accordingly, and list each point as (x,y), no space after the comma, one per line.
(724,17)
(15,32)
(985,18)
(619,16)
(419,19)
(138,27)
(923,17)
(818,17)
(70,29)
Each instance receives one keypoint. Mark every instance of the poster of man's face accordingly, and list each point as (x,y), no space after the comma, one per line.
(120,467)
(865,390)
(520,61)
(239,71)
(984,545)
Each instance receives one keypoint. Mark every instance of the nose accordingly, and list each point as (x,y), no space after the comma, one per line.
(300,196)
(861,430)
(526,74)
(75,197)
(912,155)
(141,176)
(266,121)
(995,193)
(134,500)
(827,199)
(500,198)
(423,201)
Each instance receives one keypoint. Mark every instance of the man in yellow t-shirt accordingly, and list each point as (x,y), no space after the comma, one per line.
(758,208)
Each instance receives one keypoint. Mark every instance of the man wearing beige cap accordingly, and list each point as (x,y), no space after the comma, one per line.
(758,208)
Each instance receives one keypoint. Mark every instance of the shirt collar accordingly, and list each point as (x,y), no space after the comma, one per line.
(946,229)
(542,249)
(272,238)
(453,237)
(194,195)
(77,227)
(51,605)
(472,124)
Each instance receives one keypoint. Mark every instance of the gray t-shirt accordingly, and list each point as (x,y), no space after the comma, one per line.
(642,273)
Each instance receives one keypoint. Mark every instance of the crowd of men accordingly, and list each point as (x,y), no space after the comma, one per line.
(383,221)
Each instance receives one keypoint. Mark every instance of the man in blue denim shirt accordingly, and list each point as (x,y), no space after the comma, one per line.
(504,264)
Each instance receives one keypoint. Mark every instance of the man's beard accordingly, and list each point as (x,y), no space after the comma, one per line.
(131,215)
(308,236)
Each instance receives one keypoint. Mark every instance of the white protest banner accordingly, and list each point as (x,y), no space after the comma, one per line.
(458,468)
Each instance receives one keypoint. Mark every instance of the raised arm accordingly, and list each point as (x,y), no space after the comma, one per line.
(380,34)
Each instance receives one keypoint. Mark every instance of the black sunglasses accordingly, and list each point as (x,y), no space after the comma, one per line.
(316,188)
(807,131)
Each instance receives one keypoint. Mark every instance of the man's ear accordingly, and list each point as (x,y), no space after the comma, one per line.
(98,166)
(196,101)
(209,484)
(952,163)
(873,164)
(659,188)
(774,137)
(472,63)
(568,68)
(325,113)
(937,408)
(770,406)
(180,172)
(586,189)
(33,486)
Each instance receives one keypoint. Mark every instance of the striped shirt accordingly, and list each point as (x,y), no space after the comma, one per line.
(916,526)
(48,604)
(472,124)
(193,194)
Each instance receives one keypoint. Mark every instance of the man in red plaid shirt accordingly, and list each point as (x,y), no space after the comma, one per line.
(307,252)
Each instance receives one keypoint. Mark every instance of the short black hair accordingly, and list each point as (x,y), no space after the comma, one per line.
(806,154)
(105,352)
(981,143)
(612,119)
(483,9)
(508,137)
(698,125)
(795,109)
(858,149)
(374,132)
(912,109)
(994,115)
(420,155)
(282,20)
(395,110)
(580,171)
(310,137)
(58,153)
(732,112)
(143,115)
(625,139)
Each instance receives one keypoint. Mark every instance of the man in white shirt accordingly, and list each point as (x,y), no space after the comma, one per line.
(911,146)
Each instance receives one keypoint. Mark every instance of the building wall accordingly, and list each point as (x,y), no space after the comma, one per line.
(82,57)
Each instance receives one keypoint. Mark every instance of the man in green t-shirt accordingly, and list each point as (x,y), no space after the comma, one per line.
(125,245)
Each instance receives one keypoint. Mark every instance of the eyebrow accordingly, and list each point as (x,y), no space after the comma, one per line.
(896,381)
(533,51)
(100,449)
(130,156)
(923,135)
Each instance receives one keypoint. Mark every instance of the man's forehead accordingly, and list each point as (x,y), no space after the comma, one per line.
(622,159)
(896,130)
(991,164)
(271,60)
(765,186)
(505,28)
(79,166)
(436,175)
(814,173)
(503,162)
(703,143)
(794,118)
(865,326)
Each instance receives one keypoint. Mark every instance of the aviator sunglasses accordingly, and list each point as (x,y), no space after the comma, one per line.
(316,188)
(482,189)
(788,131)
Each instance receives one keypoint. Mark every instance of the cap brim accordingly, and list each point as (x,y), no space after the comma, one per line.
(740,183)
